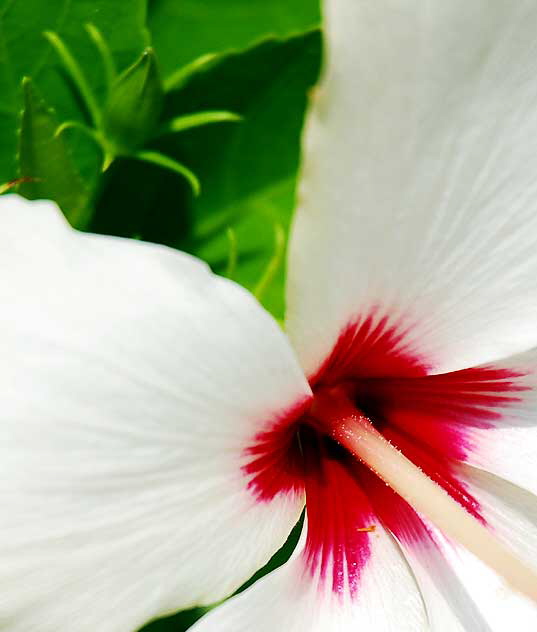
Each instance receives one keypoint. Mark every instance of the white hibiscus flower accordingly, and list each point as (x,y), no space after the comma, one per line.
(160,434)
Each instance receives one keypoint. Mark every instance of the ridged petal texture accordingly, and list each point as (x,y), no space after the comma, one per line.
(132,380)
(418,197)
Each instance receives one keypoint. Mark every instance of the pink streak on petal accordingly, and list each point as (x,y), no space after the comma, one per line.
(339,514)
(438,410)
(340,521)
(371,346)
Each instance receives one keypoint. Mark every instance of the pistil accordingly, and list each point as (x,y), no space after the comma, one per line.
(354,431)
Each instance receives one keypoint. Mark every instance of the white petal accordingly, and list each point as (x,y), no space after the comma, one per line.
(419,185)
(508,447)
(500,608)
(448,604)
(509,510)
(133,380)
(289,599)
(461,593)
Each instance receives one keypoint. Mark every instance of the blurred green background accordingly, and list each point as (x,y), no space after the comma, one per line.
(247,66)
(253,59)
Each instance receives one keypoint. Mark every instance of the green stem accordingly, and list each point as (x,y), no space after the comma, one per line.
(273,264)
(233,253)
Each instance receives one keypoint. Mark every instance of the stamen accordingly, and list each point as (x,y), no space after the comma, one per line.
(353,430)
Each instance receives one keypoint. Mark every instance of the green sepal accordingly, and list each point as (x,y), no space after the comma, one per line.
(105,54)
(76,74)
(182,75)
(197,119)
(165,162)
(46,168)
(134,105)
(77,125)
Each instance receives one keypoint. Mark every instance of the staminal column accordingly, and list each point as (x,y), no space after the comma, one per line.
(353,430)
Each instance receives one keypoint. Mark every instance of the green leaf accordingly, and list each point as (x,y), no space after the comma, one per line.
(46,166)
(249,174)
(183,31)
(135,104)
(25,52)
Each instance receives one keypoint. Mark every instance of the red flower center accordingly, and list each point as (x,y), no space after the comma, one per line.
(426,417)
